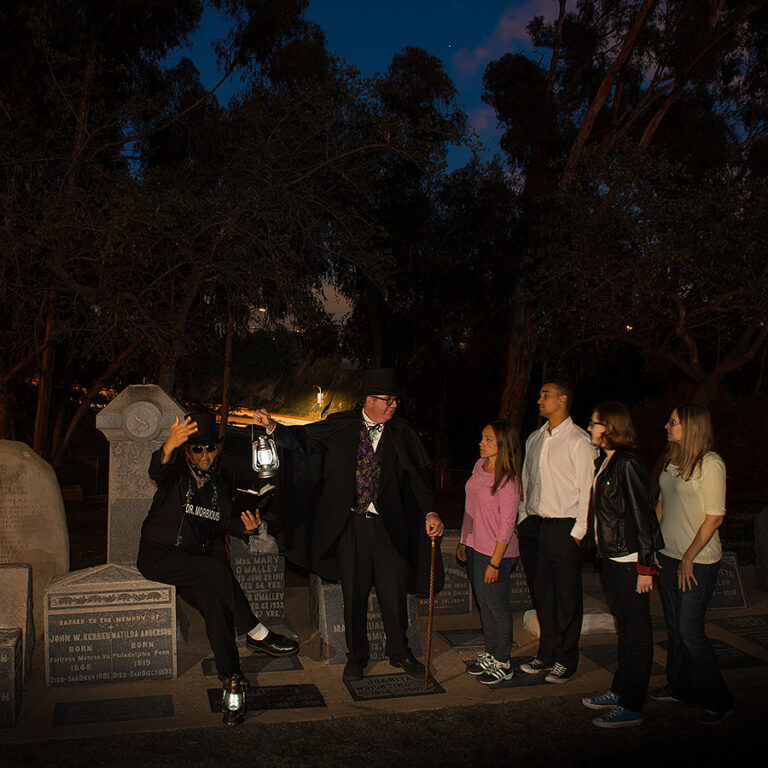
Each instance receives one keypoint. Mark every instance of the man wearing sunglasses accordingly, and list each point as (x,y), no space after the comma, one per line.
(357,500)
(175,542)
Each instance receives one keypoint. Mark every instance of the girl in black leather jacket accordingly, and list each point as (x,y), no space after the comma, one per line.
(627,534)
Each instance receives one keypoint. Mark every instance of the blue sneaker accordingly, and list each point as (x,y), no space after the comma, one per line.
(618,717)
(607,700)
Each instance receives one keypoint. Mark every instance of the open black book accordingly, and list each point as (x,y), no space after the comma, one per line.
(247,498)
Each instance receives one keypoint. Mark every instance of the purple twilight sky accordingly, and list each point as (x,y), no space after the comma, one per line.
(465,34)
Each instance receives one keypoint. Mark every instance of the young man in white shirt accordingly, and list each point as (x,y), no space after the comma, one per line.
(557,478)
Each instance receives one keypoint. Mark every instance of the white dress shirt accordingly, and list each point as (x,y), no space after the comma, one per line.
(557,474)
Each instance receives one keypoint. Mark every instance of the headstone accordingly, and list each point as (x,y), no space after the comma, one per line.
(109,624)
(456,594)
(136,423)
(262,578)
(728,590)
(519,595)
(34,524)
(327,613)
(16,607)
(761,550)
(11,671)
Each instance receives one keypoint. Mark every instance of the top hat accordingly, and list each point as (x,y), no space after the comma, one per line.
(207,431)
(380,381)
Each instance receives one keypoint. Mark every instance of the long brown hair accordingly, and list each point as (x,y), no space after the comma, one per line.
(697,440)
(509,455)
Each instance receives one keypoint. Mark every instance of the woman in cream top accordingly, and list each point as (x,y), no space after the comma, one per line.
(691,508)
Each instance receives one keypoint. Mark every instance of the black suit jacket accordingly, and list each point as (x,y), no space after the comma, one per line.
(317,491)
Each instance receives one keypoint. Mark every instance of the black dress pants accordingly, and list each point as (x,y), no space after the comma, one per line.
(209,585)
(367,558)
(552,561)
(635,635)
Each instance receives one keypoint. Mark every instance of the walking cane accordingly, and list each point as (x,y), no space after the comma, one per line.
(431,612)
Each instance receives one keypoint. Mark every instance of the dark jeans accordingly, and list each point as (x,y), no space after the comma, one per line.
(493,600)
(209,585)
(635,635)
(367,558)
(552,562)
(692,671)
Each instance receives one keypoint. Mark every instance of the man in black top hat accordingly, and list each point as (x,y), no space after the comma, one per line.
(361,512)
(175,539)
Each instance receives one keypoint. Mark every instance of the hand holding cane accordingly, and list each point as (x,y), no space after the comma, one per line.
(431,612)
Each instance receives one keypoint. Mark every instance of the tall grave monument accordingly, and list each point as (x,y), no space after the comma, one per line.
(33,530)
(136,423)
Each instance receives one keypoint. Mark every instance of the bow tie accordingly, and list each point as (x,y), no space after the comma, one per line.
(374,429)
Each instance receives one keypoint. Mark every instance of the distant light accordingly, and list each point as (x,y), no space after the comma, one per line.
(629,327)
(262,309)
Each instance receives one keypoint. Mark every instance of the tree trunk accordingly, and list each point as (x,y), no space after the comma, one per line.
(167,376)
(226,374)
(6,413)
(519,360)
(45,383)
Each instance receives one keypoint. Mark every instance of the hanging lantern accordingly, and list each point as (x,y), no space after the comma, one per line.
(233,701)
(265,460)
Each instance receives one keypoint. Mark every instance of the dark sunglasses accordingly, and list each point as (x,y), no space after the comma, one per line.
(210,448)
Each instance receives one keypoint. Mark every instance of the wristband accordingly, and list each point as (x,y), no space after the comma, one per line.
(495,567)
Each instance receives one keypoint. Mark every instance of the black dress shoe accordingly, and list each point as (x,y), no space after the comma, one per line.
(411,665)
(352,671)
(273,644)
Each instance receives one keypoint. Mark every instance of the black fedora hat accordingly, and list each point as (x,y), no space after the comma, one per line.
(380,381)
(207,431)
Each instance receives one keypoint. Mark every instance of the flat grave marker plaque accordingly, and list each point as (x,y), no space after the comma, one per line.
(267,697)
(606,657)
(113,710)
(753,628)
(253,665)
(376,687)
(729,657)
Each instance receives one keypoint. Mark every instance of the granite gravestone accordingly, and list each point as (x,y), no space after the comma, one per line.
(109,624)
(10,676)
(136,423)
(456,594)
(519,595)
(34,525)
(728,590)
(262,578)
(16,607)
(326,608)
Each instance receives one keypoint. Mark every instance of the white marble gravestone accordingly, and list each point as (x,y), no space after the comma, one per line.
(109,624)
(136,423)
(34,524)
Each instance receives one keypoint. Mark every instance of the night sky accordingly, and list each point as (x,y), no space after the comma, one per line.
(465,34)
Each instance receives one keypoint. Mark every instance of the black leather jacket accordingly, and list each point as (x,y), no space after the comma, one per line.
(622,505)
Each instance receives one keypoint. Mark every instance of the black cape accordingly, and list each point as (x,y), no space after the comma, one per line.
(316,493)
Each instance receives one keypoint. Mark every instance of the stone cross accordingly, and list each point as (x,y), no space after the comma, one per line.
(136,423)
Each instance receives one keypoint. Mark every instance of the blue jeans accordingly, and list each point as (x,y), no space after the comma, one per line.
(692,671)
(493,600)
